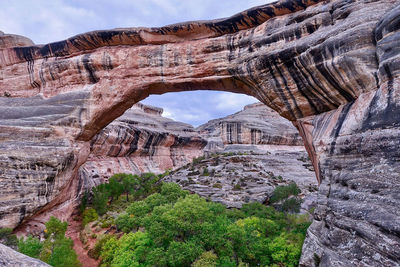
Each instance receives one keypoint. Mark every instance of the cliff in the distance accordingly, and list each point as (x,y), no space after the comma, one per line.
(246,152)
(330,67)
(256,124)
(139,141)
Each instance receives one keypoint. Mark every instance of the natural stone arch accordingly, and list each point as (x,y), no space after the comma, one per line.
(330,67)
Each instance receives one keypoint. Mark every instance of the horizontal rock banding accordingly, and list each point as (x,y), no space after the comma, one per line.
(141,141)
(330,67)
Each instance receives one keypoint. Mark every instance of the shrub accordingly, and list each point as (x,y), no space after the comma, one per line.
(84,202)
(30,246)
(125,223)
(175,228)
(172,192)
(59,252)
(8,238)
(197,160)
(205,172)
(183,253)
(89,215)
(56,249)
(100,199)
(291,205)
(237,187)
(217,185)
(96,250)
(55,228)
(114,188)
(283,192)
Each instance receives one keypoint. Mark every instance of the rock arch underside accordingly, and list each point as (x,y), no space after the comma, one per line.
(330,67)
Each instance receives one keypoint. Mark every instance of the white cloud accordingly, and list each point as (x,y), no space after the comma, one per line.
(198,107)
(47,21)
(233,101)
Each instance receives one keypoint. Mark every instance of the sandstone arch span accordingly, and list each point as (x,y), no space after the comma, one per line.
(331,67)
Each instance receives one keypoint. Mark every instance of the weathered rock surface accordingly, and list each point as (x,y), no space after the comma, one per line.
(331,67)
(242,177)
(13,40)
(12,258)
(139,141)
(256,124)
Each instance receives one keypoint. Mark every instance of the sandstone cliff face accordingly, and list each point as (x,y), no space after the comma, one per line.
(331,67)
(248,154)
(139,141)
(256,124)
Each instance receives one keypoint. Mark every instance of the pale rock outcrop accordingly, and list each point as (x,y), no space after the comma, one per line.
(330,67)
(241,177)
(12,258)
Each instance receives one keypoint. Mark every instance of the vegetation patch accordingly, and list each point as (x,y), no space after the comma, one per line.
(55,250)
(172,227)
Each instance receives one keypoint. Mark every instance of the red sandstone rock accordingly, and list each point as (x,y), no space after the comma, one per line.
(139,141)
(331,67)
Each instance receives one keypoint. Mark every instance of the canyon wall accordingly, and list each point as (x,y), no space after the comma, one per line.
(330,67)
(139,141)
(256,125)
(248,154)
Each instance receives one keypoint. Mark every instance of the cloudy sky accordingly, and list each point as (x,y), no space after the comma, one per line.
(46,21)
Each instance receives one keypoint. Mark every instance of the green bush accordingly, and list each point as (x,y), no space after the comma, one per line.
(207,259)
(30,246)
(55,228)
(100,199)
(114,187)
(84,202)
(283,192)
(174,228)
(56,250)
(89,215)
(8,238)
(237,187)
(217,185)
(98,247)
(197,160)
(291,205)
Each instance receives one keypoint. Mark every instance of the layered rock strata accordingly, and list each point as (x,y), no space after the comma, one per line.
(331,67)
(139,141)
(248,154)
(255,125)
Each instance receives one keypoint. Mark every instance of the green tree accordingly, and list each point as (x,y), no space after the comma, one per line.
(89,215)
(183,253)
(114,187)
(207,259)
(284,192)
(84,202)
(30,246)
(100,199)
(55,228)
(175,228)
(56,250)
(129,183)
(59,253)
